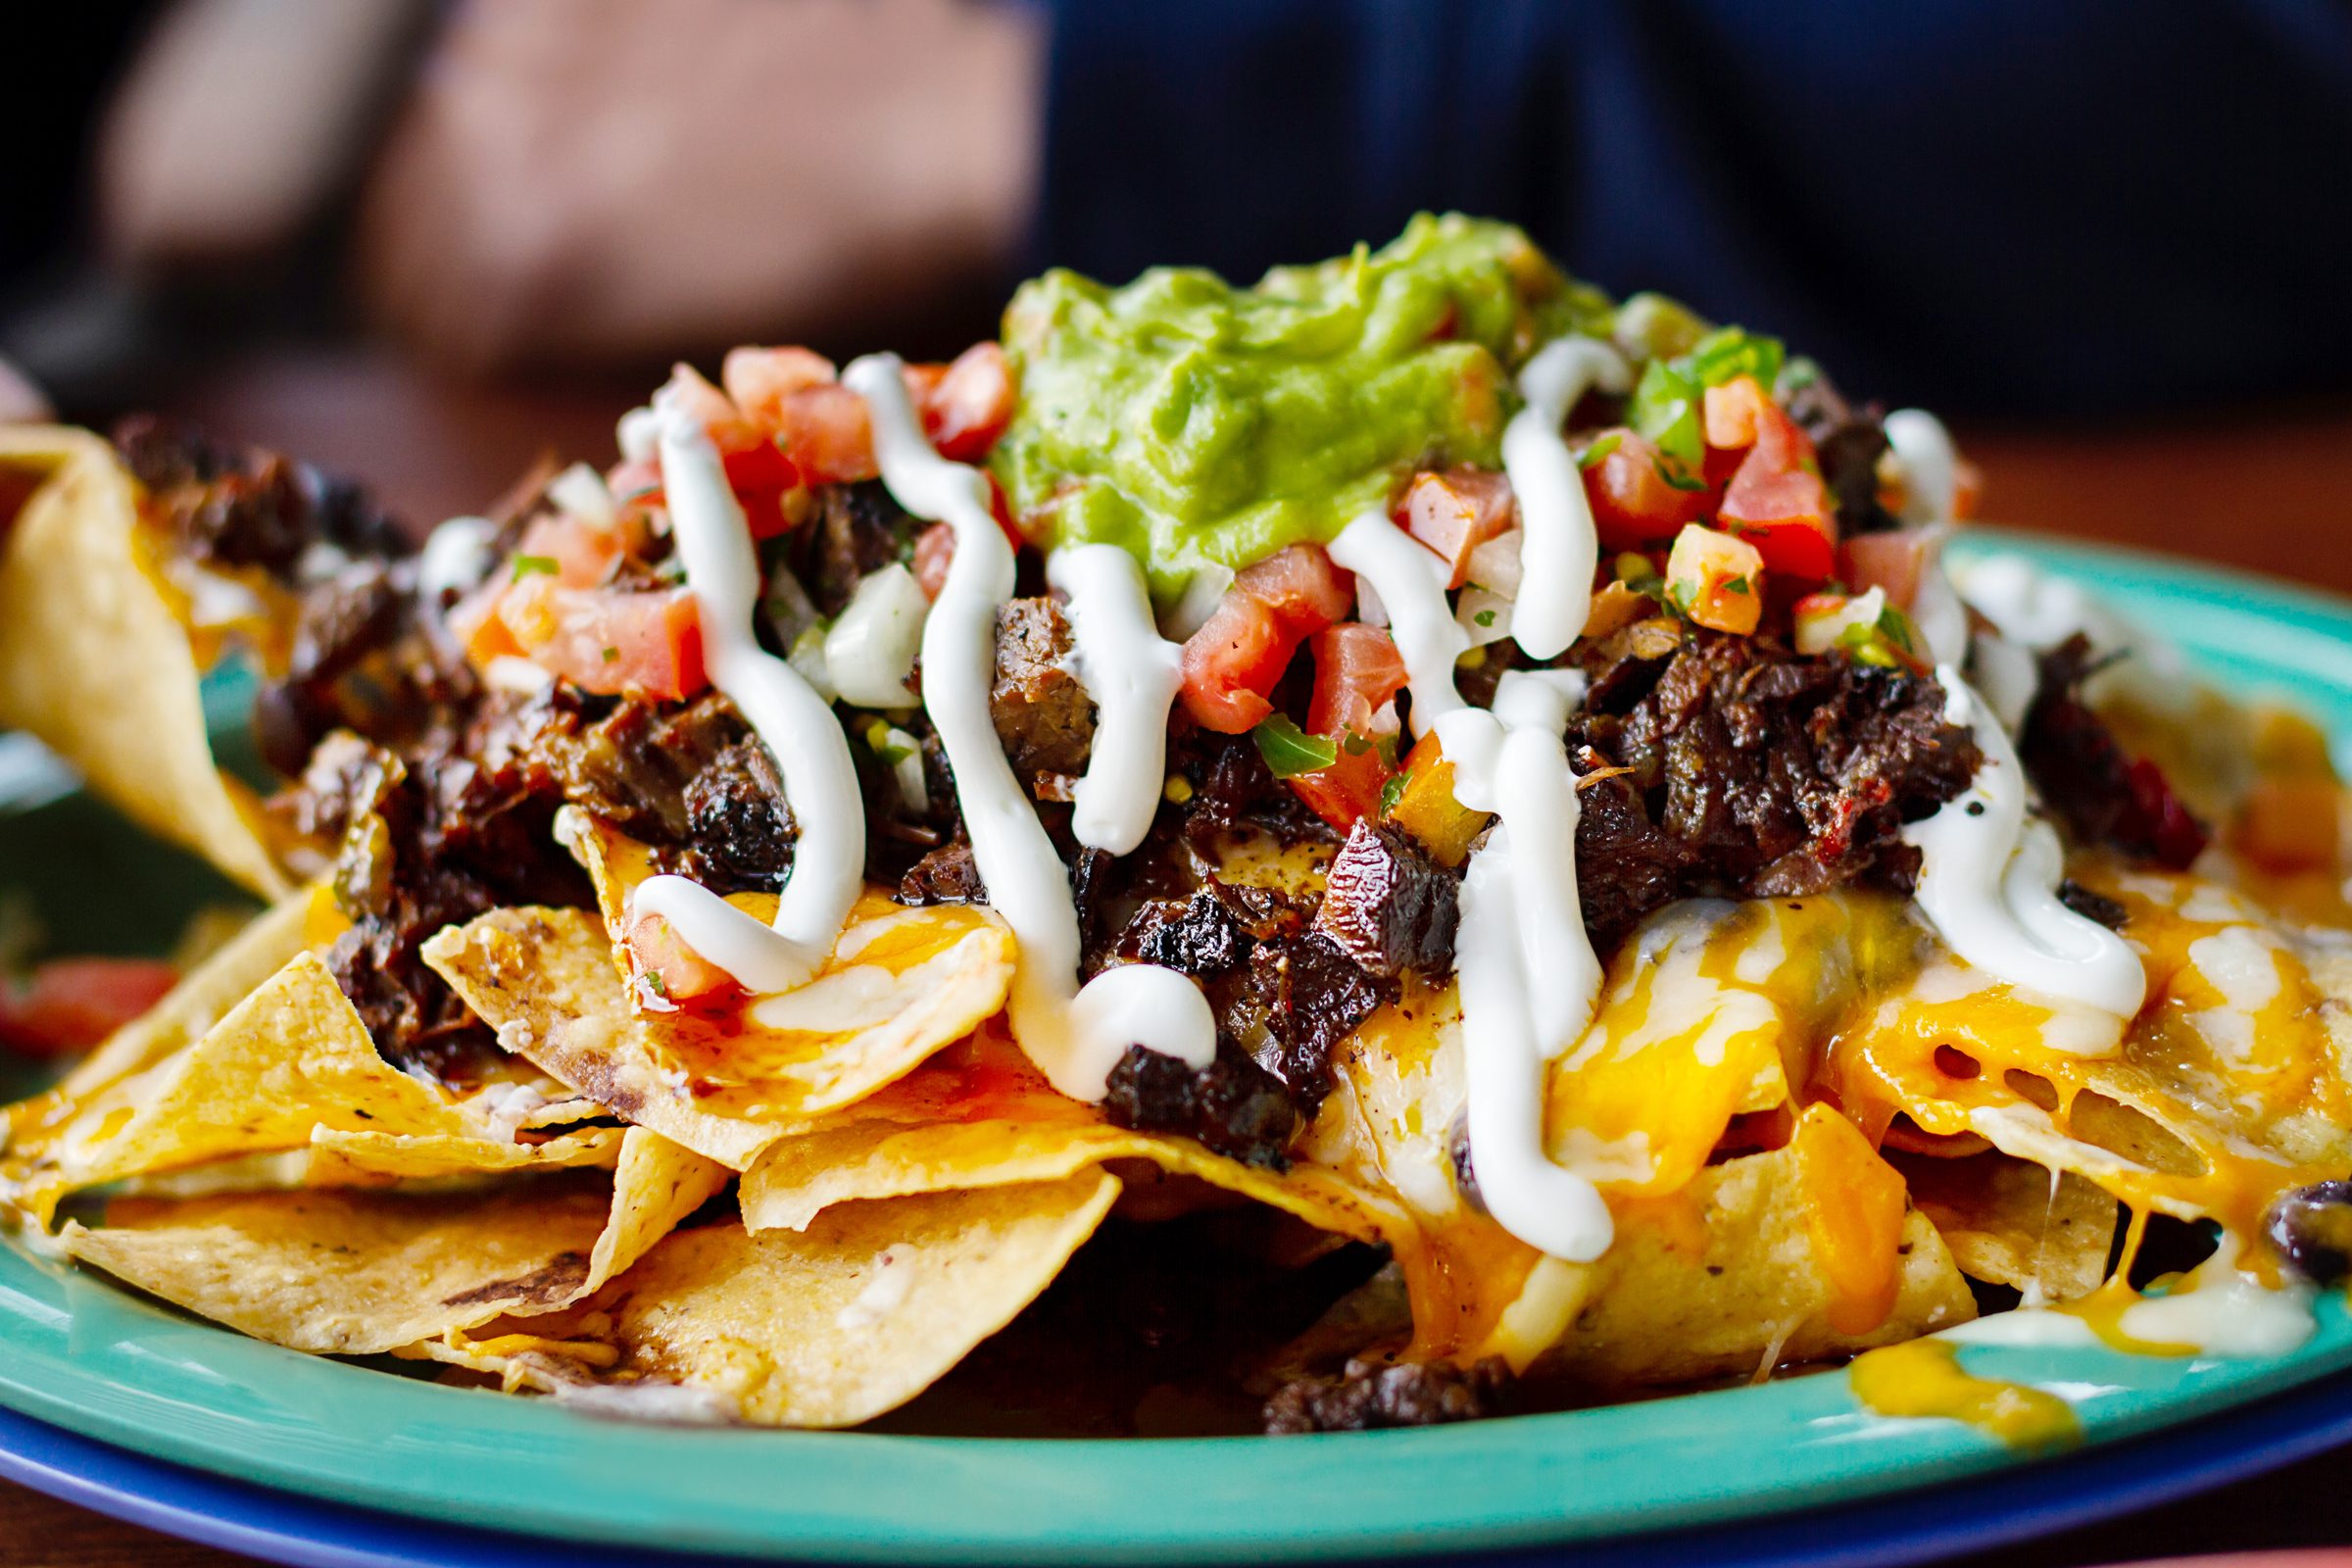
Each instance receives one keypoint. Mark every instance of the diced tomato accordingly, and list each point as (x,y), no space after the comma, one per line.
(476,623)
(934,554)
(829,433)
(968,405)
(1778,503)
(70,1005)
(609,641)
(1454,513)
(693,392)
(759,379)
(760,474)
(1232,662)
(583,554)
(635,483)
(1632,501)
(669,969)
(1893,562)
(1358,674)
(1731,413)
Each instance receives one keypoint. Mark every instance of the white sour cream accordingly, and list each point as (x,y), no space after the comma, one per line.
(1074,1037)
(1988,882)
(792,720)
(1132,674)
(1560,550)
(1529,974)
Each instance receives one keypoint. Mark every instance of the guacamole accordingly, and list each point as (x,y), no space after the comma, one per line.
(1191,422)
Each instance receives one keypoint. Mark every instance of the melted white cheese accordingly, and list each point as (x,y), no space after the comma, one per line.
(1132,674)
(1074,1037)
(1988,882)
(792,720)
(1561,548)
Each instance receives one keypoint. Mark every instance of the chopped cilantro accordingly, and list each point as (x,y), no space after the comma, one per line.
(1592,457)
(1484,617)
(1393,791)
(534,566)
(1737,585)
(1289,751)
(612,655)
(1729,353)
(1676,478)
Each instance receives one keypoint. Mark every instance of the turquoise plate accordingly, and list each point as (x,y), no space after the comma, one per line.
(89,1358)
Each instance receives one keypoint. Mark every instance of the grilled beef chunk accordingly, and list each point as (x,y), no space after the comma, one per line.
(1233,1106)
(858,528)
(2096,906)
(947,875)
(1284,996)
(1370,1396)
(2097,788)
(1849,443)
(693,782)
(1042,712)
(366,660)
(1748,771)
(429,844)
(250,508)
(1387,904)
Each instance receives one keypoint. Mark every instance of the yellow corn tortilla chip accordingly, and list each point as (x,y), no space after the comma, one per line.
(350,1272)
(290,1067)
(354,1273)
(2011,1223)
(545,979)
(825,1328)
(1736,1285)
(339,1158)
(1014,1128)
(268,944)
(291,1057)
(94,661)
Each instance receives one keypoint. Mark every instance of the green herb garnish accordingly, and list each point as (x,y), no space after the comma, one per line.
(533,567)
(1289,751)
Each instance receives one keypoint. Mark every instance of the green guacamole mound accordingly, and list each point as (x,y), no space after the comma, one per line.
(1193,422)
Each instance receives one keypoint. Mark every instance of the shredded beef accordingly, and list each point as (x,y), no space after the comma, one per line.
(1389,904)
(858,529)
(1745,770)
(947,875)
(1371,1395)
(246,507)
(2097,788)
(1233,789)
(1847,442)
(1042,712)
(366,658)
(693,782)
(431,842)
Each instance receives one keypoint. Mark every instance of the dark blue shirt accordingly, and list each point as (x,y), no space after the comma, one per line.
(2022,207)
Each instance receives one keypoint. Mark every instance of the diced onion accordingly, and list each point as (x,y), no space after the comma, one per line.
(1817,632)
(1485,614)
(581,491)
(872,645)
(807,656)
(640,434)
(1495,563)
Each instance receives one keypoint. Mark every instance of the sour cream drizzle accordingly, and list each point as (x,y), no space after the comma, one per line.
(1074,1036)
(1529,974)
(1132,674)
(1561,548)
(1988,881)
(792,720)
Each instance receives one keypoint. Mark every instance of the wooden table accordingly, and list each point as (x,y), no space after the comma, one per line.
(2271,493)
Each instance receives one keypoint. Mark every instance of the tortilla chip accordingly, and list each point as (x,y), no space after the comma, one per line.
(353,1273)
(2007,1222)
(825,1328)
(269,942)
(1014,1128)
(1734,1284)
(727,1088)
(293,1056)
(340,1159)
(94,661)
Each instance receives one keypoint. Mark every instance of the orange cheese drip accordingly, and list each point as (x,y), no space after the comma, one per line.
(1924,1378)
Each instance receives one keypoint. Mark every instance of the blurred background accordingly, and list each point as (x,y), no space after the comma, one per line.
(422,240)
